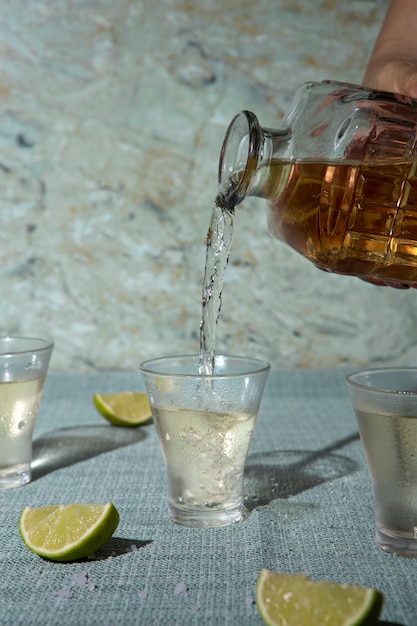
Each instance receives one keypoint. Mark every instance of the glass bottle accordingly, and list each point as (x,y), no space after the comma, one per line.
(339,176)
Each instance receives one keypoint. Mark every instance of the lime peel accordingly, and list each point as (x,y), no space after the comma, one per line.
(296,600)
(67,532)
(126,408)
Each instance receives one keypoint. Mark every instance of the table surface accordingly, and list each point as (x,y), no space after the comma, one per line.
(306,484)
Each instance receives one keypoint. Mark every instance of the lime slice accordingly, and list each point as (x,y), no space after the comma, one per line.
(68,532)
(123,409)
(295,600)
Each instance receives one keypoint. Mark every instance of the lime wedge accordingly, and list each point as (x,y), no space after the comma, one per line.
(295,600)
(68,532)
(123,409)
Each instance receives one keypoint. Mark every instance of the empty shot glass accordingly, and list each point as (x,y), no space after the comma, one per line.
(23,367)
(385,405)
(204,425)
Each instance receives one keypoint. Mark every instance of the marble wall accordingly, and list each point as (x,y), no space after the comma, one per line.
(112,116)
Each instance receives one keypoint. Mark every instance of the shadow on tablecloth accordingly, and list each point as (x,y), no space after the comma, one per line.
(117,546)
(284,473)
(66,446)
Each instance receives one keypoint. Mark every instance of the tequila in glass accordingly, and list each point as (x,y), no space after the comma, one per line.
(205,456)
(385,404)
(23,367)
(204,424)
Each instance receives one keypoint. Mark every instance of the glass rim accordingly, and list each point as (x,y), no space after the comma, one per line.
(255,366)
(380,370)
(43,345)
(244,125)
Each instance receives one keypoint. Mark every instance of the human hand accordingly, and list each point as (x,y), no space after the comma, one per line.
(393,66)
(388,74)
(393,62)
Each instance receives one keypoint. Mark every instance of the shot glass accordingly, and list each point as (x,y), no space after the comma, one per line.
(385,405)
(23,367)
(204,425)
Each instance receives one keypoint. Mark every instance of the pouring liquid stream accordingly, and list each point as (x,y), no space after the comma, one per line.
(219,242)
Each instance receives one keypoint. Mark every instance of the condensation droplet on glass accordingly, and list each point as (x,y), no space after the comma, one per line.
(33,364)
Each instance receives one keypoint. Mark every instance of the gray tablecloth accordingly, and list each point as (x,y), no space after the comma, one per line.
(306,484)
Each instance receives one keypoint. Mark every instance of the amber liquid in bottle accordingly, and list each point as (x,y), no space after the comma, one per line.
(349,218)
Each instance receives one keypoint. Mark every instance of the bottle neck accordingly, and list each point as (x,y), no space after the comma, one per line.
(245,158)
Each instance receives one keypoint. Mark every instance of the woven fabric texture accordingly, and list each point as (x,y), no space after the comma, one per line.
(306,485)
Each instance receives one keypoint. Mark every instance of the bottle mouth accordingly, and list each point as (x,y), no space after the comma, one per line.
(239,157)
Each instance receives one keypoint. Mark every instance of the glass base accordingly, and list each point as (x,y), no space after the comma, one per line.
(15,476)
(402,545)
(207,518)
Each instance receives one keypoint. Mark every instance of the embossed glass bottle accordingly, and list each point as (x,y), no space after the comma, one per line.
(339,176)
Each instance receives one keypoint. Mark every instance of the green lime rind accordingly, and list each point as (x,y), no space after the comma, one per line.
(127,420)
(296,600)
(371,618)
(93,539)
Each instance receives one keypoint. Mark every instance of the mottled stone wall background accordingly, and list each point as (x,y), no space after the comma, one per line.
(112,116)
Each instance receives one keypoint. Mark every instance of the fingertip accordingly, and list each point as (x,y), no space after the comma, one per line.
(412,86)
